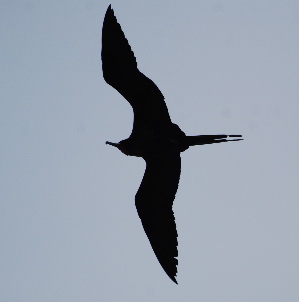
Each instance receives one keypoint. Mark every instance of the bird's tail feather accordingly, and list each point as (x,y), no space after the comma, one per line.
(211,139)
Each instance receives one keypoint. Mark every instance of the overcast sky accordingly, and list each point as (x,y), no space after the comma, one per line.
(69,228)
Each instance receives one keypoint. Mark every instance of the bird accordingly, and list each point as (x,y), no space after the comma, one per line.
(154,138)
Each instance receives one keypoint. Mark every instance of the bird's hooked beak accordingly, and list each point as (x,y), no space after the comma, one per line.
(117,145)
(120,147)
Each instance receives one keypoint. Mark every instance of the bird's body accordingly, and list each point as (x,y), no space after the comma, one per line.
(154,142)
(154,138)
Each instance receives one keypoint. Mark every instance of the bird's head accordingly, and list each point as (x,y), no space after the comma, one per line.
(119,146)
(125,146)
(128,147)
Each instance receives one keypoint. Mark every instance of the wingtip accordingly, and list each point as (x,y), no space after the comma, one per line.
(109,10)
(174,280)
(171,272)
(109,14)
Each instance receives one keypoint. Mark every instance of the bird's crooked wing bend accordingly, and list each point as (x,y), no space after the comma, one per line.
(154,201)
(121,72)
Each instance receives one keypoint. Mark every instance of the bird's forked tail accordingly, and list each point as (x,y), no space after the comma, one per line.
(211,139)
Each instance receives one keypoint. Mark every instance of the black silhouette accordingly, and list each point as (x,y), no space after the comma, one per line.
(154,138)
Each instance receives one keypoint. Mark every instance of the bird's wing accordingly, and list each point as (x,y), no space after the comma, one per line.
(154,201)
(121,72)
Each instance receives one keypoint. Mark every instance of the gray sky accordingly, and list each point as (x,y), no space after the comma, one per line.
(69,228)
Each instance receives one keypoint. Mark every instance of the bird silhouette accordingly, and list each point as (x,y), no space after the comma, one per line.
(154,138)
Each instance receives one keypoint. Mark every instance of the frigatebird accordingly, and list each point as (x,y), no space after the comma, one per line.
(154,138)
